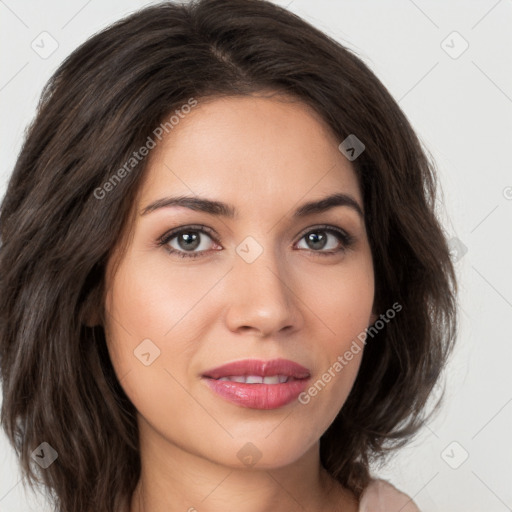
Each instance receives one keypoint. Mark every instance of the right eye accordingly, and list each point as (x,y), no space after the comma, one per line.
(184,241)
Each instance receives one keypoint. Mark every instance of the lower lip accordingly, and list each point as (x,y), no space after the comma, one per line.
(258,396)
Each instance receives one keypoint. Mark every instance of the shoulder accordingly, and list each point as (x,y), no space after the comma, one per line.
(381,496)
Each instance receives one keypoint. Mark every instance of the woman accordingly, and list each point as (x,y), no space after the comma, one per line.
(223,284)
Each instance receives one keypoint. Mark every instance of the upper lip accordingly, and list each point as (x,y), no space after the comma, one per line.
(259,367)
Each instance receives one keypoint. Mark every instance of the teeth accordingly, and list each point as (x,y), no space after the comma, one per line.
(257,379)
(254,379)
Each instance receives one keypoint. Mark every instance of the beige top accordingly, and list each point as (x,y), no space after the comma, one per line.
(381,496)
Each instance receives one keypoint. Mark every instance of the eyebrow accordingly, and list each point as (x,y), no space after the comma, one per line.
(225,210)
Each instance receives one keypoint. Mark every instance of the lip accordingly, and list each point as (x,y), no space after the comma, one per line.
(259,367)
(259,396)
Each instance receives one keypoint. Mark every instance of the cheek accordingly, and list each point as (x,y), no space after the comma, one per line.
(345,307)
(148,301)
(354,309)
(342,300)
(138,314)
(155,323)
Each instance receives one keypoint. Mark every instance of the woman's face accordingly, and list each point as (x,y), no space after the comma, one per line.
(272,281)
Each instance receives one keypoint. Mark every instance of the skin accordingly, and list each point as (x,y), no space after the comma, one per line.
(265,156)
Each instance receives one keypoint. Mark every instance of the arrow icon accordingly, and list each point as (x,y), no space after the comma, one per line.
(147,352)
(44,455)
(351,147)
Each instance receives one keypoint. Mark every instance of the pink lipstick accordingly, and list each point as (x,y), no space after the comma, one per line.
(258,384)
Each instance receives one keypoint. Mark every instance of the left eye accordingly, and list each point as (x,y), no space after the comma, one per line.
(318,240)
(185,241)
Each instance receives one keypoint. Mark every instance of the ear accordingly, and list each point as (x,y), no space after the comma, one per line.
(373,318)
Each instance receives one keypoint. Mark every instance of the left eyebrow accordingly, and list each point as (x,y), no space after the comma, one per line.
(225,210)
(327,203)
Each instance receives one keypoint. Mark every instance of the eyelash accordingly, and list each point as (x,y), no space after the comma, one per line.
(346,240)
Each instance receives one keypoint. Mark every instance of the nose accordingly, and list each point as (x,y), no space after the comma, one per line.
(262,295)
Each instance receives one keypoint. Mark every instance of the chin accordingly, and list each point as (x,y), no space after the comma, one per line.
(266,449)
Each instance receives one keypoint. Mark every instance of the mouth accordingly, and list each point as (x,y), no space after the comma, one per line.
(257,379)
(258,384)
(255,371)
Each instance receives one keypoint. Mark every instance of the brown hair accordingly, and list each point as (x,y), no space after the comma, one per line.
(99,107)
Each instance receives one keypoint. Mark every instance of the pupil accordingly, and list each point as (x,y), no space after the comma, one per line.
(318,242)
(190,237)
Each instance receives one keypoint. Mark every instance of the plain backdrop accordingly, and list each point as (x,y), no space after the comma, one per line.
(449,66)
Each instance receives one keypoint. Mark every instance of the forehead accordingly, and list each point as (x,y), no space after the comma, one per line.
(249,150)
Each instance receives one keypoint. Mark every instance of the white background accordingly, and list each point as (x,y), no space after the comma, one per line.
(462,110)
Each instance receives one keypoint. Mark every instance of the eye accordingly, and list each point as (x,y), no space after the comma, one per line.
(318,240)
(184,241)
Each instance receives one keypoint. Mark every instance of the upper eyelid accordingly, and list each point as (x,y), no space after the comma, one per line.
(169,235)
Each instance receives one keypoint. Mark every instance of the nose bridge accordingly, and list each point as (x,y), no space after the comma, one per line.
(261,267)
(260,293)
